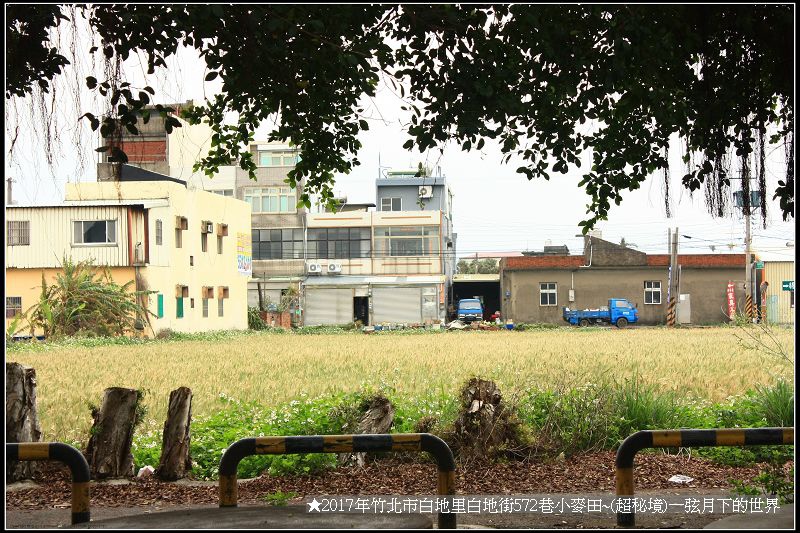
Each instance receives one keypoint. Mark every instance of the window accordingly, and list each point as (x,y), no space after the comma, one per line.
(178,238)
(284,243)
(277,159)
(219,244)
(159,232)
(220,307)
(19,232)
(339,243)
(191,302)
(95,231)
(179,307)
(204,241)
(394,241)
(224,192)
(271,199)
(160,306)
(391,204)
(652,292)
(13,306)
(548,294)
(205,307)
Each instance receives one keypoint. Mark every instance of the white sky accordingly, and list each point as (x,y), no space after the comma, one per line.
(494,208)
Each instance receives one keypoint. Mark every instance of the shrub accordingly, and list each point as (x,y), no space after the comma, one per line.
(85,301)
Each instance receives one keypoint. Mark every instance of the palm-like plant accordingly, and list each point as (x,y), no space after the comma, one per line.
(85,300)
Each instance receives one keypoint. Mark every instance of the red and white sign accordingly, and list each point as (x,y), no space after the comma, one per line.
(731,300)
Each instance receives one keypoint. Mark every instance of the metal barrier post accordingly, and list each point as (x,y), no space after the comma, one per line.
(56,451)
(228,490)
(685,438)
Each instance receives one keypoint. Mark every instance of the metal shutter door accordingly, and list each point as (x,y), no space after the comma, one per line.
(329,307)
(397,305)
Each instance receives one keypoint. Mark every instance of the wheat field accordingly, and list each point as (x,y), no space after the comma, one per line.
(275,368)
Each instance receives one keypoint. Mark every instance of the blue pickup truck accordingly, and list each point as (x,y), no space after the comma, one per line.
(470,310)
(619,312)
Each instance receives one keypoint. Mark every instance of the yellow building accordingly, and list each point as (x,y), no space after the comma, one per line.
(190,248)
(779,297)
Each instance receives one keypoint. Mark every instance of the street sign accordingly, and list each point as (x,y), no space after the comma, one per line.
(788,285)
(731,301)
(759,265)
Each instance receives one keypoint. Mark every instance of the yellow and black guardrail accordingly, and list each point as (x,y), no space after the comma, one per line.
(405,442)
(685,438)
(56,451)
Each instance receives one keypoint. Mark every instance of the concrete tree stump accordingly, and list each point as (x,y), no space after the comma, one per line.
(175,459)
(377,419)
(22,419)
(109,449)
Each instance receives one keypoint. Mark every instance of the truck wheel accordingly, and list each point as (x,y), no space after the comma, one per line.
(584,323)
(622,322)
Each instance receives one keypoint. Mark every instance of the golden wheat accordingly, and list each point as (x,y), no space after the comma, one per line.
(272,368)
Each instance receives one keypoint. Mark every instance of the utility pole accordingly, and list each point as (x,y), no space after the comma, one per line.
(673,278)
(748,282)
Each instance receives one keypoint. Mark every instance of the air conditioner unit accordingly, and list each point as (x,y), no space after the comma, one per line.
(208,227)
(334,268)
(425,191)
(314,268)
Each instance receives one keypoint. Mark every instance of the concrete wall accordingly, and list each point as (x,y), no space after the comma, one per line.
(593,287)
(26,283)
(408,190)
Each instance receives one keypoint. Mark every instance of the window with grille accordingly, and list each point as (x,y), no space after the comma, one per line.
(205,307)
(13,306)
(19,232)
(220,307)
(652,292)
(548,294)
(159,232)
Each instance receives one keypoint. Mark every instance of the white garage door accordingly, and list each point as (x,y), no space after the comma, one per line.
(328,307)
(399,305)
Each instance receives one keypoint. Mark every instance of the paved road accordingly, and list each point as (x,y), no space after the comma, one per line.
(674,515)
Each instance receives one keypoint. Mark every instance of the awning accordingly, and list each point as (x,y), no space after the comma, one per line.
(347,281)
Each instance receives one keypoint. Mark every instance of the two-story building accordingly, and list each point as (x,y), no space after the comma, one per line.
(189,249)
